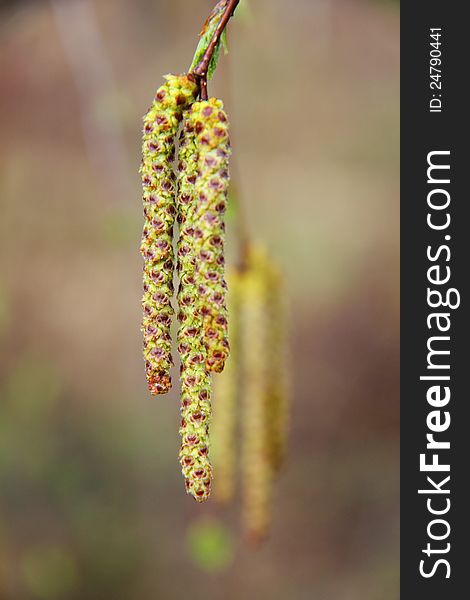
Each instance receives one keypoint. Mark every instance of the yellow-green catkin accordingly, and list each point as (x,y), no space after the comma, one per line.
(204,227)
(225,396)
(158,181)
(278,393)
(195,378)
(256,459)
(263,346)
(195,419)
(202,338)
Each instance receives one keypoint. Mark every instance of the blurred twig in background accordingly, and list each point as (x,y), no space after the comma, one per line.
(94,79)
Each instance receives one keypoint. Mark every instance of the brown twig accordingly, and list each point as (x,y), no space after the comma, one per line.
(201,70)
(203,88)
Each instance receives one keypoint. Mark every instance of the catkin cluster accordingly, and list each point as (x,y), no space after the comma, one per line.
(158,182)
(197,195)
(257,377)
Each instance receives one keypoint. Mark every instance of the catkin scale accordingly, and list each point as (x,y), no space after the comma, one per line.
(158,182)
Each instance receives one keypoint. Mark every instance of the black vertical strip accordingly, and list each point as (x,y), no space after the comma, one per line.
(423,132)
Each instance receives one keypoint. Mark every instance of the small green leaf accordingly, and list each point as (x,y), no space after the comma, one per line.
(213,63)
(223,39)
(207,32)
(244,10)
(206,36)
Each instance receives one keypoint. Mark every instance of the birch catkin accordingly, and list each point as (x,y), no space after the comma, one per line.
(264,377)
(256,463)
(209,123)
(195,419)
(203,345)
(196,195)
(195,379)
(277,384)
(158,181)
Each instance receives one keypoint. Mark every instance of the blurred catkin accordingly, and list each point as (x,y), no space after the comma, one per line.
(158,181)
(226,385)
(256,463)
(264,375)
(277,384)
(203,229)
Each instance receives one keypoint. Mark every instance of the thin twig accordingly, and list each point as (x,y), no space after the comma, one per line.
(203,88)
(201,70)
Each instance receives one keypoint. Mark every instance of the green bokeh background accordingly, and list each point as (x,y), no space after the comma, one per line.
(92,504)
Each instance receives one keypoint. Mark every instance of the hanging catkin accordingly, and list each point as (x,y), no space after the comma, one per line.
(195,379)
(209,123)
(203,344)
(264,377)
(158,181)
(196,194)
(256,462)
(225,395)
(195,418)
(277,383)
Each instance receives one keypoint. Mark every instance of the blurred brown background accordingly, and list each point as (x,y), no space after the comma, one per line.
(92,503)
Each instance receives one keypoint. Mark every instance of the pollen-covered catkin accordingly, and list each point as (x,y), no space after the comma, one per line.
(158,181)
(195,419)
(256,462)
(195,379)
(225,395)
(205,230)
